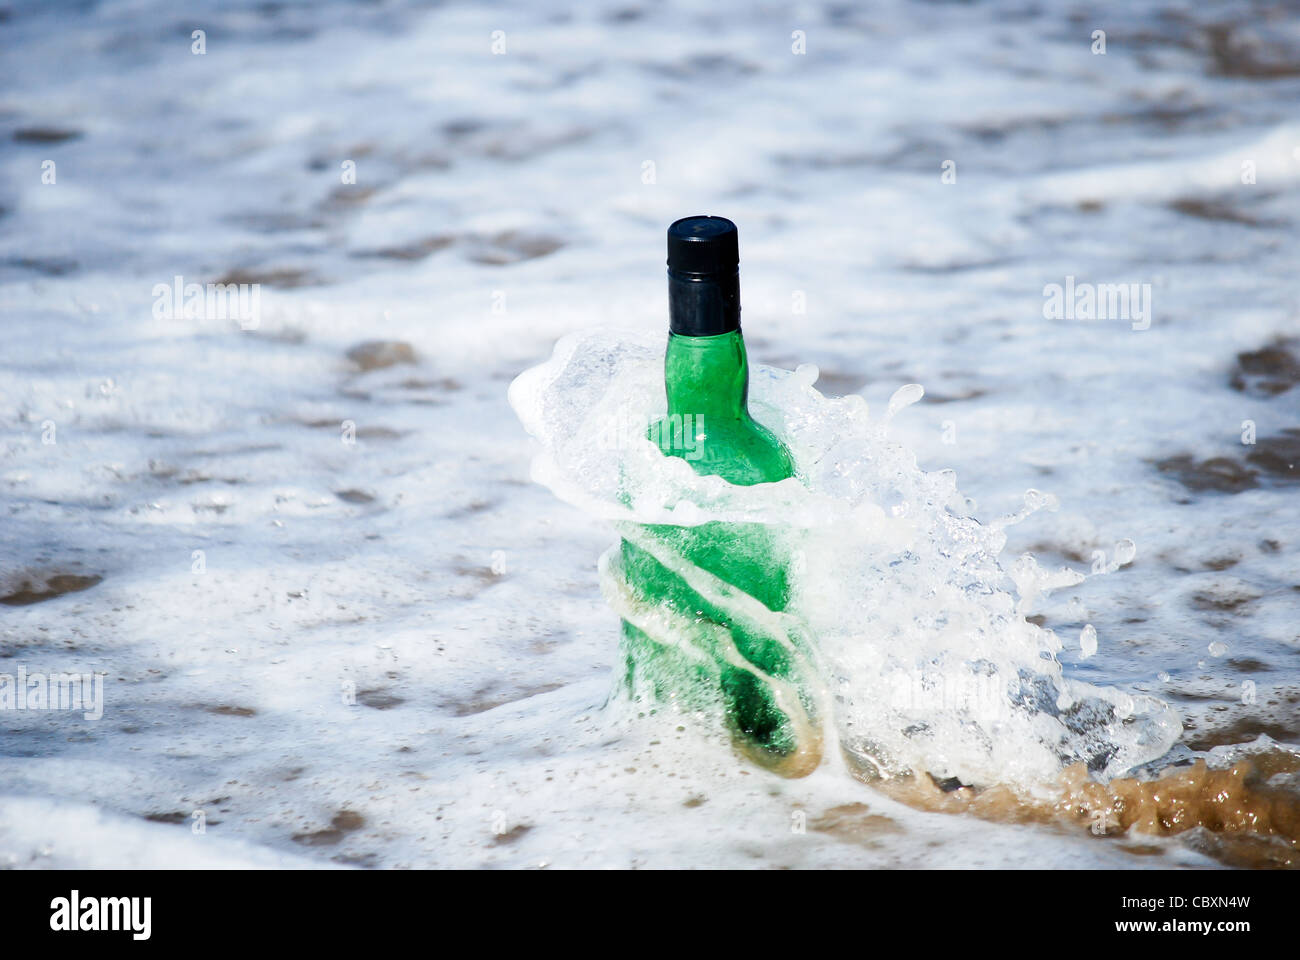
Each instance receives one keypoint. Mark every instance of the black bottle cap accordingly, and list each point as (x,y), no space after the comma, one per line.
(703,277)
(703,247)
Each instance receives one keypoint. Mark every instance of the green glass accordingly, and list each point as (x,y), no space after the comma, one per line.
(708,424)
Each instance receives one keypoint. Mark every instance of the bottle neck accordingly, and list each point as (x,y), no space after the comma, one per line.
(707,375)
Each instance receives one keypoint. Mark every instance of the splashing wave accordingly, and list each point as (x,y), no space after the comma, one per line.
(922,650)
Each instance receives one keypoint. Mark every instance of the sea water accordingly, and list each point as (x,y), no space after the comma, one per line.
(395,651)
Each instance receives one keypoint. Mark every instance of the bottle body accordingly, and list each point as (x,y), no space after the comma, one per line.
(708,424)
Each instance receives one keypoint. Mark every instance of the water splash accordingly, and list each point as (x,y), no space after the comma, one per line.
(923,653)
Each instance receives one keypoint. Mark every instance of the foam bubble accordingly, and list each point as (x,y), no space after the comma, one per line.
(1088,641)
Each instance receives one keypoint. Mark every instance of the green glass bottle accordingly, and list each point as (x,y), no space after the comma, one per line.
(708,424)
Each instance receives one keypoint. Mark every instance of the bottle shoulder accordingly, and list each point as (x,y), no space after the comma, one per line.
(740,450)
